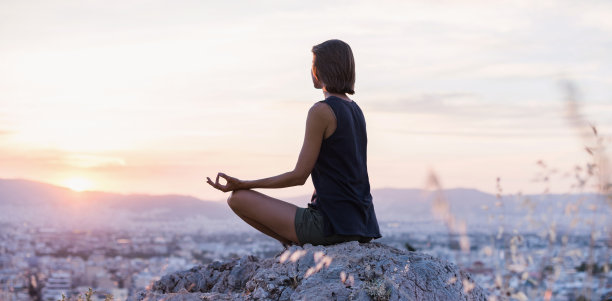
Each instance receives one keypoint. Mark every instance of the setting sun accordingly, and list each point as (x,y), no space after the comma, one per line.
(78,184)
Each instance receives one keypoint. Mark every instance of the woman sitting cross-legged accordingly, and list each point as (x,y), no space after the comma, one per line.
(333,153)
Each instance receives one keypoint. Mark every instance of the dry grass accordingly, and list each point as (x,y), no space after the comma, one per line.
(513,259)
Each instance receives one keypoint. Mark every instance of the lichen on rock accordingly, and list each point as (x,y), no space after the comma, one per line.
(347,271)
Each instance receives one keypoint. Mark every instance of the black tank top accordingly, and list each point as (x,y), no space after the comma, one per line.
(340,175)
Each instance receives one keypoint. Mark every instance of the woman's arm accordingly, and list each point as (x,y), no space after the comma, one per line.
(319,118)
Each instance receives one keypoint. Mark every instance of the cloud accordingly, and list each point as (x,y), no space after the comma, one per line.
(528,70)
(87,161)
(471,115)
(489,134)
(467,105)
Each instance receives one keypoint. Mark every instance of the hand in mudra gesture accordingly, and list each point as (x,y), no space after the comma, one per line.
(230,185)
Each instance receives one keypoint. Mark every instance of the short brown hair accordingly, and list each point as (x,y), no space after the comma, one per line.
(334,65)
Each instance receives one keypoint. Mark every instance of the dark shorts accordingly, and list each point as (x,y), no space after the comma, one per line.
(309,229)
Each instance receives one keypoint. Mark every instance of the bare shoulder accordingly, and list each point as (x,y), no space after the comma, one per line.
(321,110)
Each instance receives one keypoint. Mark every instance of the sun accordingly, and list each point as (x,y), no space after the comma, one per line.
(78,184)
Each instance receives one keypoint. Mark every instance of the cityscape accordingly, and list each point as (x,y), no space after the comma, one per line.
(41,263)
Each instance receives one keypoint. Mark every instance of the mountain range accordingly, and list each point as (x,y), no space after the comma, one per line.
(37,202)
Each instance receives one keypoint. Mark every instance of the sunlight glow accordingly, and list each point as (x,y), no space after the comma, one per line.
(78,184)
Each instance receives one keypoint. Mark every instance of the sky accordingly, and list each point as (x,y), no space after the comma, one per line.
(153,96)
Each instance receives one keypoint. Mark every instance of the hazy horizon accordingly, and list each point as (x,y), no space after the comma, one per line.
(227,194)
(135,98)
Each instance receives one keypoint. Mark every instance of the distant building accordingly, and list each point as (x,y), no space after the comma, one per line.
(57,284)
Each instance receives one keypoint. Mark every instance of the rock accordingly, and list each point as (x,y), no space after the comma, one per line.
(347,271)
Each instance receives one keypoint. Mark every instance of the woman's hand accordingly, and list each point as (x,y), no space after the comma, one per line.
(231,185)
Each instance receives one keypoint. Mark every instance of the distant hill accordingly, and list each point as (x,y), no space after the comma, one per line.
(35,201)
(484,212)
(28,193)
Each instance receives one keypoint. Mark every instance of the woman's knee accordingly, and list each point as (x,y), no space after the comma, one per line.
(236,198)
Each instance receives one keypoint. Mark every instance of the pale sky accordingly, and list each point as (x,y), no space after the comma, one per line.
(152,97)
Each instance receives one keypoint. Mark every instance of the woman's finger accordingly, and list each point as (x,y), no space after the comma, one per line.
(226,177)
(225,188)
(211,183)
(228,181)
(215,185)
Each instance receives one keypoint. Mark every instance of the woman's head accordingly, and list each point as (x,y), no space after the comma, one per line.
(333,67)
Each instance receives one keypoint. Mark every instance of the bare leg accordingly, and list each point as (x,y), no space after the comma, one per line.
(271,216)
(264,229)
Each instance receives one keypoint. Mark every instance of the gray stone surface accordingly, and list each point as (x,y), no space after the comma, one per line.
(348,271)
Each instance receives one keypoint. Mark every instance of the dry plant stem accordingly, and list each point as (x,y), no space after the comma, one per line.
(495,246)
(441,210)
(517,260)
(595,147)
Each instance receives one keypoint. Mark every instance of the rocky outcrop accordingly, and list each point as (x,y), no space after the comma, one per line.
(348,271)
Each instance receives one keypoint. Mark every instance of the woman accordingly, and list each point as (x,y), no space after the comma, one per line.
(333,152)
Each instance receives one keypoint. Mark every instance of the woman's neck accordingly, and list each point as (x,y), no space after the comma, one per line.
(339,95)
